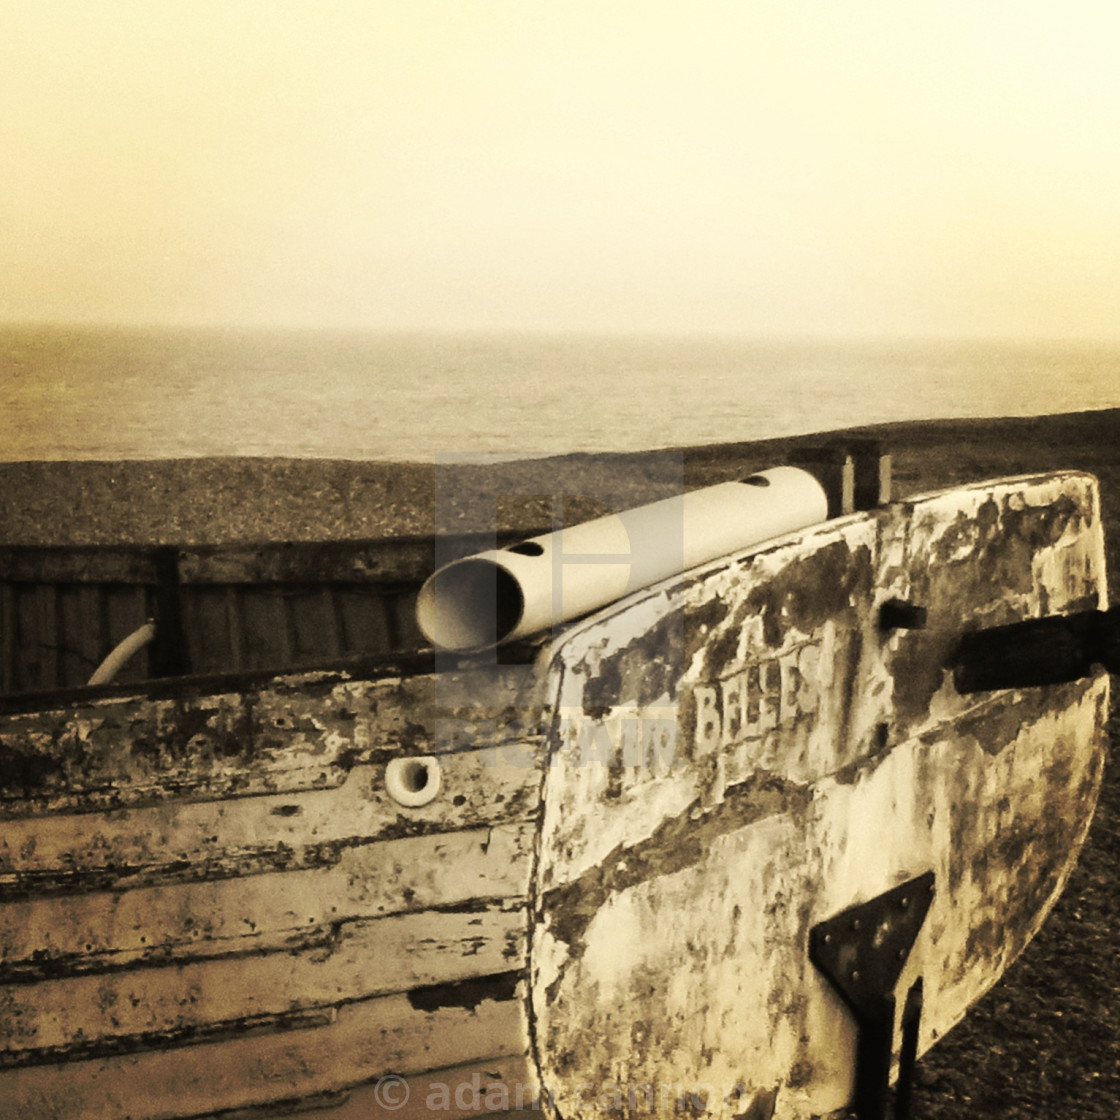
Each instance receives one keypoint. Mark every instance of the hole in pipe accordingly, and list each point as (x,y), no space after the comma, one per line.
(472,604)
(755,480)
(527,548)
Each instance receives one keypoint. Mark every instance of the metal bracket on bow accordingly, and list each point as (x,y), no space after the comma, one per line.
(862,952)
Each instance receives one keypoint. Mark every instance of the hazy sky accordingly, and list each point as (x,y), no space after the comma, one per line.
(765,167)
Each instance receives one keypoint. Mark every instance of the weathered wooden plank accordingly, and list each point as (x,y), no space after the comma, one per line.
(332,622)
(710,694)
(34,657)
(82,649)
(206,628)
(8,646)
(101,929)
(400,560)
(989,555)
(397,561)
(356,960)
(210,839)
(264,628)
(168,656)
(236,630)
(311,626)
(298,732)
(215,629)
(126,608)
(139,668)
(498,1086)
(365,628)
(333,562)
(124,752)
(45,615)
(361,1041)
(406,631)
(77,565)
(478,1089)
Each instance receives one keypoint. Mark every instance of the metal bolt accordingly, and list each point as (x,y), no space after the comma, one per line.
(904,902)
(828,938)
(855,973)
(856,923)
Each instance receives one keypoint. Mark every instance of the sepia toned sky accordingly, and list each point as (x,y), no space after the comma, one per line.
(765,167)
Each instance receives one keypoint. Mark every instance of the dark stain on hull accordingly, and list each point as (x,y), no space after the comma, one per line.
(761,1106)
(831,583)
(641,672)
(467,994)
(24,773)
(681,842)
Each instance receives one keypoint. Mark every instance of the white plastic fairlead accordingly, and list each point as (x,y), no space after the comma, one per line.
(413,782)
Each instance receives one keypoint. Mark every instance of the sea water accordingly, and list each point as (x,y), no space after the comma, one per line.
(100,393)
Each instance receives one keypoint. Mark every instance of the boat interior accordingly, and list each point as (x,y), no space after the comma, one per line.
(242,610)
(217,611)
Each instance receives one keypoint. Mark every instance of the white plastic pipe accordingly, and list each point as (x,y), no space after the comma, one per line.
(508,593)
(121,652)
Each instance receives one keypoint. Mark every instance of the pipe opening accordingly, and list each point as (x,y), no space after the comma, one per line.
(755,480)
(469,605)
(526,548)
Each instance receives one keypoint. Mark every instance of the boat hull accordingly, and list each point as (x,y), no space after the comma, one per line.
(747,751)
(219,898)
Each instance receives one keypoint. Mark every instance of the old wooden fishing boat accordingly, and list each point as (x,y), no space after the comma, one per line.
(744,842)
